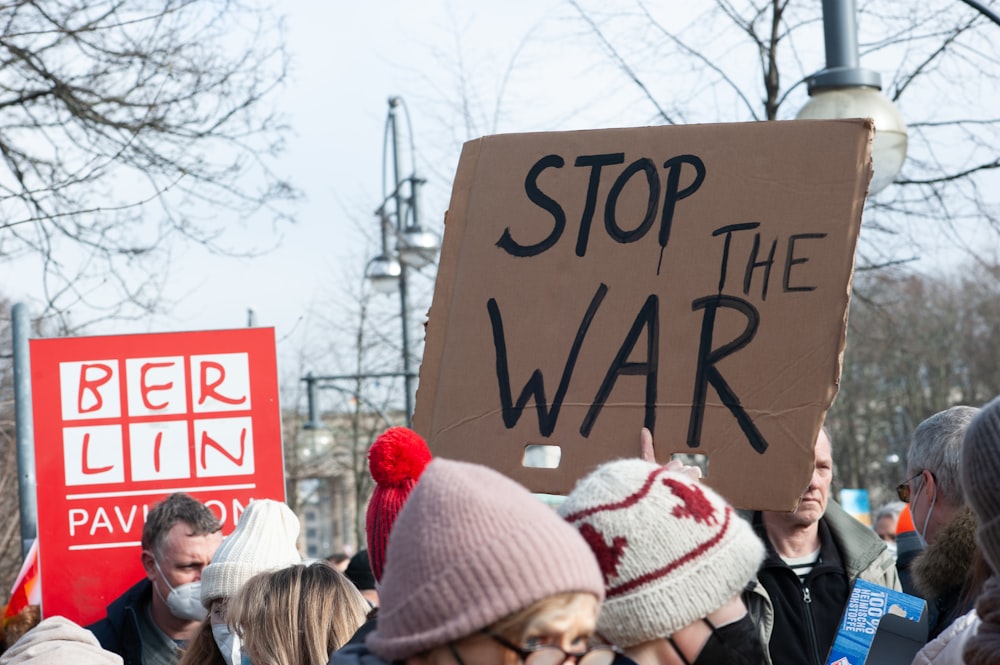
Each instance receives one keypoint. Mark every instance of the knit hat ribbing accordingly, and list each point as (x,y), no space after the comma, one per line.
(263,540)
(469,548)
(395,460)
(671,550)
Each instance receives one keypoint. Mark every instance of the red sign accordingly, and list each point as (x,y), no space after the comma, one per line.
(121,422)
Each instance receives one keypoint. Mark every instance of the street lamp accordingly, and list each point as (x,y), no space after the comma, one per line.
(404,243)
(846,90)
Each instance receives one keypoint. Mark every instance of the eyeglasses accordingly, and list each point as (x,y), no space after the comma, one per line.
(550,654)
(903,489)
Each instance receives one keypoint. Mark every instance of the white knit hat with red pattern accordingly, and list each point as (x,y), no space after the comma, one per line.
(671,550)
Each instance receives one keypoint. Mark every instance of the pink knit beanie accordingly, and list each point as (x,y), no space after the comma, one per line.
(471,547)
(671,550)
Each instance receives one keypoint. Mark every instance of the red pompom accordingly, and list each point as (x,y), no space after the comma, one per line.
(399,455)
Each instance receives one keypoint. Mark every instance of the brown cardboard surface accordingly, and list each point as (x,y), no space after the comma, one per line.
(650,316)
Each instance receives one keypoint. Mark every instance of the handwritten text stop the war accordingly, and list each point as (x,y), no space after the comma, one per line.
(682,177)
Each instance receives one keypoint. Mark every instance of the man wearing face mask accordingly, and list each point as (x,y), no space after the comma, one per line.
(813,556)
(943,571)
(151,623)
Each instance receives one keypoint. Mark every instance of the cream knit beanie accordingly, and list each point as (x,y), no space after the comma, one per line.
(264,539)
(671,550)
(471,547)
(58,640)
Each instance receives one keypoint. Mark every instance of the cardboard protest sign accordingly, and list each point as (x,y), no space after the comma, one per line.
(691,279)
(121,422)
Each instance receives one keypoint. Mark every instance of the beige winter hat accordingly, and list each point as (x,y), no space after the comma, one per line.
(58,640)
(264,539)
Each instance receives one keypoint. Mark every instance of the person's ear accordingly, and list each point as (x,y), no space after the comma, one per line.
(149,565)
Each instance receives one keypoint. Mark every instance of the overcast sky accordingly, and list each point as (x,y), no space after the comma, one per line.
(348,58)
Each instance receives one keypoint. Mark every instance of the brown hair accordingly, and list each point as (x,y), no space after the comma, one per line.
(176,508)
(297,615)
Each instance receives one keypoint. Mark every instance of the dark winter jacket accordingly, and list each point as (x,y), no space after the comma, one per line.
(355,653)
(799,621)
(119,630)
(942,573)
(908,547)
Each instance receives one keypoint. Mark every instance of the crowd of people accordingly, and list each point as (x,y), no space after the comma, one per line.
(642,563)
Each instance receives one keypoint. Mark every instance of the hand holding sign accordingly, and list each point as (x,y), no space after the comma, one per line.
(647,454)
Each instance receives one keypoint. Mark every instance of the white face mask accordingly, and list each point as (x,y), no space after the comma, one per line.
(183,601)
(228,643)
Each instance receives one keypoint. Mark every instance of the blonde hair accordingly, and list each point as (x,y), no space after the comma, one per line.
(518,626)
(297,615)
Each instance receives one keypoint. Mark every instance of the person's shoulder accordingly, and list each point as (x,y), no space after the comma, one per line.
(108,630)
(947,648)
(356,653)
(848,530)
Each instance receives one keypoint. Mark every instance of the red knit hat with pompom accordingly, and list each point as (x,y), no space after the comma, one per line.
(396,460)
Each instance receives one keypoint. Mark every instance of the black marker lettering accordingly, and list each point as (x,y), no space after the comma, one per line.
(753,264)
(542,200)
(536,384)
(790,260)
(647,318)
(610,219)
(674,194)
(707,372)
(728,231)
(596,163)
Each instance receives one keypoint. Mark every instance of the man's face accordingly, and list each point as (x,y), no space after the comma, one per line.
(885,527)
(181,558)
(812,503)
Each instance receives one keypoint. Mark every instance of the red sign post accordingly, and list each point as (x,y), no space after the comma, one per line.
(123,421)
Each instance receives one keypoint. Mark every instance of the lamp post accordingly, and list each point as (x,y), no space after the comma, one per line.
(846,90)
(405,244)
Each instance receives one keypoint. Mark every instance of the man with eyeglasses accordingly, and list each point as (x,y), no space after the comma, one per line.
(943,572)
(814,555)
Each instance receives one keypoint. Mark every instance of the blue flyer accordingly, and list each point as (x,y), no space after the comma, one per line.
(867,605)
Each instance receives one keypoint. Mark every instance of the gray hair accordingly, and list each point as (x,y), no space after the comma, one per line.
(936,446)
(890,510)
